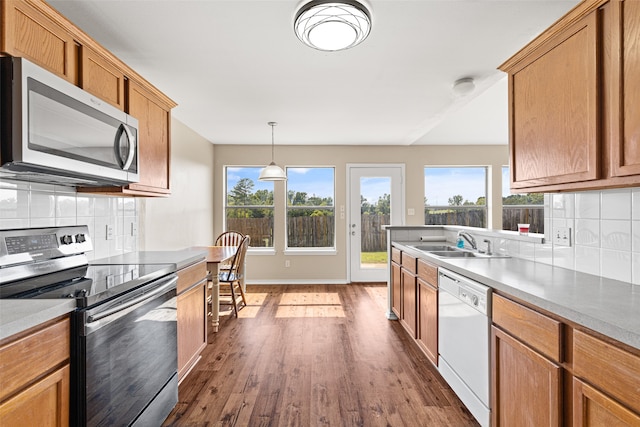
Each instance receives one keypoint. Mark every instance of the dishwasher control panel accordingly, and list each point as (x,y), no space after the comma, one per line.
(466,290)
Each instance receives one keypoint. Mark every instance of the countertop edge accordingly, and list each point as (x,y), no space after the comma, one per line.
(19,315)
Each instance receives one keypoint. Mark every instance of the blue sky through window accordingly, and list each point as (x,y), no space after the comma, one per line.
(372,188)
(316,181)
(235,174)
(442,183)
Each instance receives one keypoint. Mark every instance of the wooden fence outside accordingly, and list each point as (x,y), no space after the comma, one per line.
(319,231)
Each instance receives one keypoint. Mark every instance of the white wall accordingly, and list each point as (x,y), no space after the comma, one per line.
(186,217)
(333,268)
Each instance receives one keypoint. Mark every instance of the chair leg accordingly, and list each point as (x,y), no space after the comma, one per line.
(244,300)
(233,299)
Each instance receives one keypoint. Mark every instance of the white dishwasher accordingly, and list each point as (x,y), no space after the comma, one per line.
(463,340)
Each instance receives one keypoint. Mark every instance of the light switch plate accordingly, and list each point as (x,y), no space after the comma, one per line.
(562,236)
(411,211)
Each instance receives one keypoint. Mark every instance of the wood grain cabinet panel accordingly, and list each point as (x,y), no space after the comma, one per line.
(192,316)
(427,331)
(536,329)
(153,138)
(408,316)
(592,408)
(34,379)
(30,32)
(555,116)
(625,90)
(396,289)
(526,386)
(102,78)
(612,369)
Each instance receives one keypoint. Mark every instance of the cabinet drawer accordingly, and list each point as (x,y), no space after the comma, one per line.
(428,272)
(409,263)
(613,370)
(191,275)
(537,330)
(30,357)
(396,254)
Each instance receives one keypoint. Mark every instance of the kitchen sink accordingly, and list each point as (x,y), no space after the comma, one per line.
(454,254)
(431,248)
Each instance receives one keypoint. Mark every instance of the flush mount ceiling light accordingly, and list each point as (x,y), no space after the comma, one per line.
(464,86)
(272,172)
(332,25)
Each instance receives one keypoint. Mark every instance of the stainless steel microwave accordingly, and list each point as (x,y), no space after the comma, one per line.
(52,131)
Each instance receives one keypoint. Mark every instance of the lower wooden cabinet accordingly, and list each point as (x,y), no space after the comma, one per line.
(408,317)
(34,379)
(526,386)
(44,403)
(192,316)
(427,333)
(396,289)
(591,408)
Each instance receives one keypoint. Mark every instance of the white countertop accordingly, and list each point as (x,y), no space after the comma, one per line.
(20,315)
(607,306)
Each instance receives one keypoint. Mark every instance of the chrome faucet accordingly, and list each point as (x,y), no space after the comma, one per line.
(488,242)
(469,238)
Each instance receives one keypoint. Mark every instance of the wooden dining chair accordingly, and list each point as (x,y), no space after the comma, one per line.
(233,293)
(228,238)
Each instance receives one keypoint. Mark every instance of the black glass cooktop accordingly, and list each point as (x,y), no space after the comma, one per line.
(87,284)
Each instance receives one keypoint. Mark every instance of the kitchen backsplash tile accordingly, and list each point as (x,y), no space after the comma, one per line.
(588,205)
(616,204)
(616,264)
(25,205)
(635,204)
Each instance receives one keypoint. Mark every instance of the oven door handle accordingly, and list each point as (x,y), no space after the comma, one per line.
(136,301)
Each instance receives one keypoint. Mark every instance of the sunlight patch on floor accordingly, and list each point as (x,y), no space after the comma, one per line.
(310,304)
(254,304)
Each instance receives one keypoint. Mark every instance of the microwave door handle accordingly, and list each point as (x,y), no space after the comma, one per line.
(124,163)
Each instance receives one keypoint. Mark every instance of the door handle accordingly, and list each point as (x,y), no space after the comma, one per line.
(125,163)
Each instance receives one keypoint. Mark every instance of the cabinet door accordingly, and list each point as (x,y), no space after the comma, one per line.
(592,408)
(625,90)
(554,110)
(408,318)
(396,290)
(44,403)
(102,78)
(428,320)
(153,138)
(192,326)
(526,387)
(29,32)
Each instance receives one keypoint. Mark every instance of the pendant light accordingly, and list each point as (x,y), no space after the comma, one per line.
(331,25)
(272,172)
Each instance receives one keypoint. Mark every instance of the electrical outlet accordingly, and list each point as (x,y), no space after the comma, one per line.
(562,236)
(109,232)
(287,263)
(134,229)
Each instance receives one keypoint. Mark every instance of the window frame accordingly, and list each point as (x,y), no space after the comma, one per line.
(323,250)
(265,250)
(505,171)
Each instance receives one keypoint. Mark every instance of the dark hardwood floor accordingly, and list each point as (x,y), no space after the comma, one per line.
(322,355)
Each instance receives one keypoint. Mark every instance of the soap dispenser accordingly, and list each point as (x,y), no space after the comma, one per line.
(460,242)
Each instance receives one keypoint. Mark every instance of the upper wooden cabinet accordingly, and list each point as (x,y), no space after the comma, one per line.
(102,78)
(154,155)
(34,30)
(573,119)
(625,108)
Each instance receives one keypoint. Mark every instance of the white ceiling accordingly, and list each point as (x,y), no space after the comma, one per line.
(232,66)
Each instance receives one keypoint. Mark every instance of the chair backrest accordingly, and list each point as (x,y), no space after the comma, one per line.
(237,265)
(229,238)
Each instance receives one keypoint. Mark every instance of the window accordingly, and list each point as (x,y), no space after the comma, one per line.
(523,208)
(249,205)
(310,207)
(455,196)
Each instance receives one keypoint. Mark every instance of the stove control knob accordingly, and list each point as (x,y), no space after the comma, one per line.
(80,238)
(66,239)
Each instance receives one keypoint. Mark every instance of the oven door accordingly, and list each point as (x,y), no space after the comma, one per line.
(126,356)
